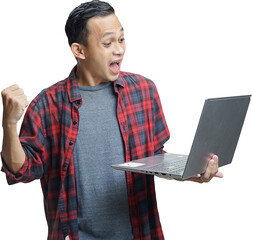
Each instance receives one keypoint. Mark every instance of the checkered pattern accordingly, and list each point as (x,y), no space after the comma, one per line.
(48,136)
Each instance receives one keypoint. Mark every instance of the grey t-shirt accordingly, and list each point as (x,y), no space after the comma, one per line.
(103,211)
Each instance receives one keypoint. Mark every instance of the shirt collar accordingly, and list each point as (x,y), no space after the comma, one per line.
(73,87)
(119,83)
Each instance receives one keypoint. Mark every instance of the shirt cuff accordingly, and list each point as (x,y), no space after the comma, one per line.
(14,177)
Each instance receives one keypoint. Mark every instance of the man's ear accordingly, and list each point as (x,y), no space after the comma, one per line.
(78,50)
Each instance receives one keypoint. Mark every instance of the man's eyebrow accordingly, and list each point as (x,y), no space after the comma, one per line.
(111,33)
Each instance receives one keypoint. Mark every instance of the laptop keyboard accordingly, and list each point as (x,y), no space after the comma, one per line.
(170,167)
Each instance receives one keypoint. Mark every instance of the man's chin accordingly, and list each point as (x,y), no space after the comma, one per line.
(114,77)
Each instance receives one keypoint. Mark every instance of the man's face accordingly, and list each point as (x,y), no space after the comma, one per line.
(106,48)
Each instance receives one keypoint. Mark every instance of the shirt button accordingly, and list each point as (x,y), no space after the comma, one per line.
(71,143)
(75,122)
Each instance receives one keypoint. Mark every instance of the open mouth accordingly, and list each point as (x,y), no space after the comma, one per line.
(115,67)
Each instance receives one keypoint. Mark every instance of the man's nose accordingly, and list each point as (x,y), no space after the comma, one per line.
(119,49)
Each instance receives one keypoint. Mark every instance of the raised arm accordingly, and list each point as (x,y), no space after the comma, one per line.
(14,104)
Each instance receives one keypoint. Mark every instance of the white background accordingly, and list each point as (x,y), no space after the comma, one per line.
(192,50)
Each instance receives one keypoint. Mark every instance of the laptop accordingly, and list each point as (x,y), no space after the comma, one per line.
(217,133)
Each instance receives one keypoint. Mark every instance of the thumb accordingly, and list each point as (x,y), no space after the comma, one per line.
(219,175)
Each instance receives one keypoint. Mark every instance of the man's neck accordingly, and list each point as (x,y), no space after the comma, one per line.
(85,78)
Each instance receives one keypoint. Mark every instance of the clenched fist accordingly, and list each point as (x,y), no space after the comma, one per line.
(14,104)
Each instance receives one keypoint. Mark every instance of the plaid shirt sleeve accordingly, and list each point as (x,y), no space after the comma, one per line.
(32,141)
(161,130)
(47,135)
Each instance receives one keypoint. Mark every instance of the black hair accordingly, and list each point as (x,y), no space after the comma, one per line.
(76,25)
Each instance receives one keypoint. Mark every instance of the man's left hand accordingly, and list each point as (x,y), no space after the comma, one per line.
(211,171)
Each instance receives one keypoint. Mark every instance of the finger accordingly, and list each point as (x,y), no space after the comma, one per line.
(219,175)
(23,101)
(12,92)
(12,87)
(209,170)
(21,97)
(214,167)
(198,178)
(18,92)
(216,159)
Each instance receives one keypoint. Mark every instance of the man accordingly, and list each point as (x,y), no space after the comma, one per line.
(76,129)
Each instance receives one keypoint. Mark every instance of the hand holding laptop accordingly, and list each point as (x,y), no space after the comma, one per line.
(211,171)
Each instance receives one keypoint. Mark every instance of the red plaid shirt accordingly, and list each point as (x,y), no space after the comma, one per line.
(48,136)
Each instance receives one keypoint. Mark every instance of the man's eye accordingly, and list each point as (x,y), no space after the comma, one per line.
(107,44)
(122,40)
